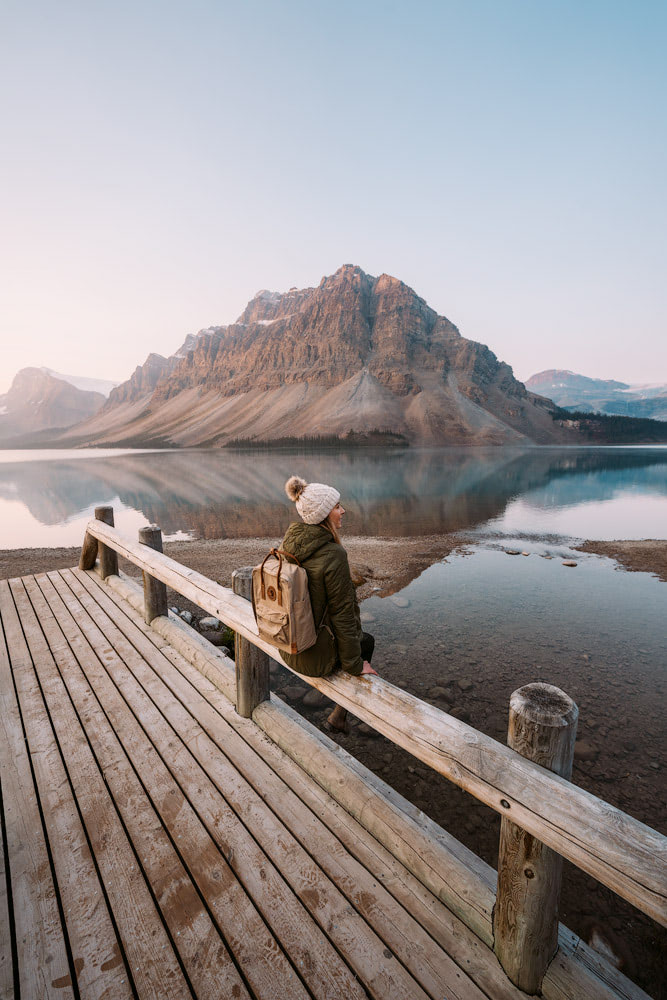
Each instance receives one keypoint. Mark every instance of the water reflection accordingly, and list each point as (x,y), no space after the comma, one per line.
(214,494)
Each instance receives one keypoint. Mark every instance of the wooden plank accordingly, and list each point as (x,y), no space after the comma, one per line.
(400,932)
(577,971)
(252,944)
(93,941)
(255,948)
(7,942)
(349,932)
(204,956)
(151,958)
(43,966)
(614,848)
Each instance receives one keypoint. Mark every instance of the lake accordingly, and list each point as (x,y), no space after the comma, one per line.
(46,498)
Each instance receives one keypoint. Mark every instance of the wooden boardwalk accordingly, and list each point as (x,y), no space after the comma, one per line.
(155,844)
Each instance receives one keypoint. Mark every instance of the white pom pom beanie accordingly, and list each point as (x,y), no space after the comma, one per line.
(314,501)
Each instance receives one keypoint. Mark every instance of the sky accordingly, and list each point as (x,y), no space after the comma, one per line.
(163,161)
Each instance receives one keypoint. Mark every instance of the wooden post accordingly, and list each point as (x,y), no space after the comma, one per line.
(252,664)
(108,562)
(88,552)
(542,728)
(155,592)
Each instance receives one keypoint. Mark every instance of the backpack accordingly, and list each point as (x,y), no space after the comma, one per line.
(281,603)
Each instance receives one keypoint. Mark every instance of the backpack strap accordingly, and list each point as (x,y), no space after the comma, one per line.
(278,554)
(284,552)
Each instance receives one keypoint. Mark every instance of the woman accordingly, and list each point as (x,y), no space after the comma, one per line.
(315,544)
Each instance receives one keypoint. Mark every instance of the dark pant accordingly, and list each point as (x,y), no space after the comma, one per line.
(367,646)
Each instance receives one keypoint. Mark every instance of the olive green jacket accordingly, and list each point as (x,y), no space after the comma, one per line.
(333,600)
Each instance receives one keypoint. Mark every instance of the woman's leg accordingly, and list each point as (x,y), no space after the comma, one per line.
(338,718)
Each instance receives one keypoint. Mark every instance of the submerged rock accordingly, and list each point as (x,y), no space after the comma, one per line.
(314,698)
(293,692)
(584,751)
(438,693)
(210,623)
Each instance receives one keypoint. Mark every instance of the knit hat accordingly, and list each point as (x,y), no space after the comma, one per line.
(314,501)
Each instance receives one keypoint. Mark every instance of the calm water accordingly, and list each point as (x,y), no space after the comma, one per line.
(46,498)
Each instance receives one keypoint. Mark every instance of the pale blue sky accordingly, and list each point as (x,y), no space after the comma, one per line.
(163,161)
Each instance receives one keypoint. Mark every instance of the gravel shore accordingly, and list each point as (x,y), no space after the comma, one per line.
(385,565)
(379,565)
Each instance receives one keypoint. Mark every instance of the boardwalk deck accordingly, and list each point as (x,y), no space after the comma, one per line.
(155,844)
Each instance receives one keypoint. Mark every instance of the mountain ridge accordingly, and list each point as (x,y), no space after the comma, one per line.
(353,355)
(38,402)
(584,394)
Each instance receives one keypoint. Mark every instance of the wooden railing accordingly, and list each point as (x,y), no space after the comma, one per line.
(620,852)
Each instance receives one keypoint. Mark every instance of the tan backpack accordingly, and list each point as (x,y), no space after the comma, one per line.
(281,602)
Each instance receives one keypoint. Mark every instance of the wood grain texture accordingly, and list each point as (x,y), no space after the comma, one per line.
(614,848)
(88,555)
(356,941)
(43,966)
(575,972)
(433,969)
(92,937)
(108,558)
(155,592)
(542,728)
(6,961)
(157,818)
(252,664)
(144,940)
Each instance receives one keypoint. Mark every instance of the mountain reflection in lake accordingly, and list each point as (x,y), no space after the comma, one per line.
(222,494)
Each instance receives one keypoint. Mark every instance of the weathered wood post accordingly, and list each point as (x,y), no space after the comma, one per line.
(88,552)
(155,591)
(108,561)
(252,664)
(542,728)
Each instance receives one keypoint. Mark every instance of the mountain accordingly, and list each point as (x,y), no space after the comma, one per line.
(81,382)
(594,395)
(38,401)
(356,358)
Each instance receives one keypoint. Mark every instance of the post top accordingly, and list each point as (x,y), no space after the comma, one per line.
(243,572)
(544,703)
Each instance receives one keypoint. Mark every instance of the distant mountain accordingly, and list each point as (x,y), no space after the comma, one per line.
(38,401)
(81,382)
(592,395)
(356,358)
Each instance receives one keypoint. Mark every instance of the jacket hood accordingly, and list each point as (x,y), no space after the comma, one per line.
(302,540)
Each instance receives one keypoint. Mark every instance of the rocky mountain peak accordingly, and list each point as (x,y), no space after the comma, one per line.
(38,401)
(354,354)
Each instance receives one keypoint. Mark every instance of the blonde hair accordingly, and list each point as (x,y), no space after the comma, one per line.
(328,524)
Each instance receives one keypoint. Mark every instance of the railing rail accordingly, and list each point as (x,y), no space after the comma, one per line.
(622,853)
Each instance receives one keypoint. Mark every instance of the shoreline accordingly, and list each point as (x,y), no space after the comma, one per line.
(380,566)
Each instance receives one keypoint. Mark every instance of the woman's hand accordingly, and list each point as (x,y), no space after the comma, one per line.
(367,669)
